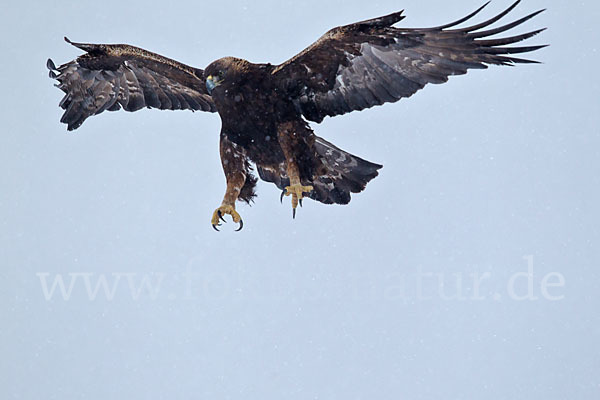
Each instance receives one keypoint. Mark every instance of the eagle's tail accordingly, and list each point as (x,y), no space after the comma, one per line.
(345,174)
(336,174)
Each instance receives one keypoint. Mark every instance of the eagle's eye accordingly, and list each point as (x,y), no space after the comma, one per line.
(214,81)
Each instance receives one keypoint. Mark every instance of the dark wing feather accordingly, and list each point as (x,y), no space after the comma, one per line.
(369,63)
(114,76)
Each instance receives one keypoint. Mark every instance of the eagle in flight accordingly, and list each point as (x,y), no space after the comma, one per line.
(265,108)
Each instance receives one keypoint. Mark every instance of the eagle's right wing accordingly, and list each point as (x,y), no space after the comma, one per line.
(370,63)
(114,76)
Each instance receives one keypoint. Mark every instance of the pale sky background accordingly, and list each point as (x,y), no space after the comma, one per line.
(484,177)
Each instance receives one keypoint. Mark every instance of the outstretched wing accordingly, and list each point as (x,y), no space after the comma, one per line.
(369,63)
(114,76)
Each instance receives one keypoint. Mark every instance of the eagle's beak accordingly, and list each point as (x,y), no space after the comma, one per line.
(212,82)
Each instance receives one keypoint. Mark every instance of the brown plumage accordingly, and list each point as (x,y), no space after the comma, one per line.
(264,108)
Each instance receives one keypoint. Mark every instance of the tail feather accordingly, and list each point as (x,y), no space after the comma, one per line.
(345,174)
(339,174)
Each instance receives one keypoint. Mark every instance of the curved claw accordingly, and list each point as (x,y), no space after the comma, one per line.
(297,192)
(241,225)
(281,197)
(218,216)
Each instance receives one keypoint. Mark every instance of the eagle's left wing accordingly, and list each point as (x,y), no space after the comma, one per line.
(369,63)
(114,76)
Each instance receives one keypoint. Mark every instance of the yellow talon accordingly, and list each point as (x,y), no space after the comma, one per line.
(226,209)
(297,192)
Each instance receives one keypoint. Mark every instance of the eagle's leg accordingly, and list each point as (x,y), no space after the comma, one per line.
(235,167)
(291,141)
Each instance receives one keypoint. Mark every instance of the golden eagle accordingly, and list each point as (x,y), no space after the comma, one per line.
(264,108)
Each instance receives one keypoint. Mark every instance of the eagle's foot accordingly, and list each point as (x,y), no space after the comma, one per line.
(297,192)
(218,216)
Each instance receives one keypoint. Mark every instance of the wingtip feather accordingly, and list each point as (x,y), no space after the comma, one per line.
(460,21)
(500,29)
(491,20)
(50,65)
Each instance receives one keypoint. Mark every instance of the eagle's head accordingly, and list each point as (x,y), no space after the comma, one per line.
(226,70)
